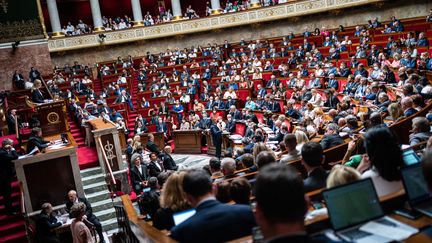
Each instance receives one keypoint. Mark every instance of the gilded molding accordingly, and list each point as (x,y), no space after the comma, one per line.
(283,11)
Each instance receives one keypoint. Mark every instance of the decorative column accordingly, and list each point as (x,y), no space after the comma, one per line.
(96,14)
(137,14)
(176,8)
(255,3)
(215,5)
(54,18)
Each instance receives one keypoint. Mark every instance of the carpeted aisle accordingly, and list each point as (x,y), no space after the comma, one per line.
(87,157)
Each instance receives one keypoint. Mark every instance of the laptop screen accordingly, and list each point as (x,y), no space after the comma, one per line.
(352,204)
(410,157)
(414,183)
(182,216)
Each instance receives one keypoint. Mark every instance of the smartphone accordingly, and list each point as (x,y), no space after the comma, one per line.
(410,214)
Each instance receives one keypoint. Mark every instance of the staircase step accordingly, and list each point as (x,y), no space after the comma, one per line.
(110,225)
(15,238)
(15,205)
(95,187)
(105,214)
(12,228)
(91,171)
(98,196)
(93,179)
(6,219)
(102,205)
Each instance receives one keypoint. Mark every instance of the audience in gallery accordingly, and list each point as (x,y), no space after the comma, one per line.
(315,112)
(163,16)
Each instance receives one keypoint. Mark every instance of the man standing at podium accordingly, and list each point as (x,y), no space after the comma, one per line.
(36,140)
(7,154)
(216,134)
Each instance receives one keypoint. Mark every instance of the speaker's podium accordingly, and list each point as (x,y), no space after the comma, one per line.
(187,141)
(52,117)
(108,146)
(48,176)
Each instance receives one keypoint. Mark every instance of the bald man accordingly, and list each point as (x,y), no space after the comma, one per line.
(168,161)
(74,199)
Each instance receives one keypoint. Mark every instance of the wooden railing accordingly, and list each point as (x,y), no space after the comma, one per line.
(22,199)
(107,165)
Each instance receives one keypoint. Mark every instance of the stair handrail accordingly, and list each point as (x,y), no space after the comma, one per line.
(108,166)
(22,199)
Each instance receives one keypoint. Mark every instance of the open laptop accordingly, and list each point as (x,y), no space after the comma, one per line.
(416,188)
(410,157)
(182,216)
(352,206)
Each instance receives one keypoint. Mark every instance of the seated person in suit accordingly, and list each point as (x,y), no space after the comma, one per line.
(281,216)
(151,146)
(36,140)
(161,126)
(45,224)
(331,137)
(138,173)
(74,199)
(312,158)
(155,166)
(212,220)
(168,161)
(407,106)
(420,131)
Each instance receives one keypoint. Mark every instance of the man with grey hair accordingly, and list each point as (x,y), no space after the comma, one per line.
(407,106)
(7,154)
(331,137)
(290,141)
(420,131)
(228,167)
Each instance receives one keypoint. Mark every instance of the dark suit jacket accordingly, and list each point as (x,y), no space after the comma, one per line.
(6,165)
(316,180)
(36,142)
(163,219)
(168,162)
(215,222)
(231,126)
(331,102)
(409,112)
(216,134)
(331,140)
(152,147)
(154,170)
(300,238)
(89,210)
(161,127)
(274,107)
(44,228)
(137,177)
(11,124)
(236,115)
(37,96)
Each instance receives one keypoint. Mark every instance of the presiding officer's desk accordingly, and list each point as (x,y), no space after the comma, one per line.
(49,175)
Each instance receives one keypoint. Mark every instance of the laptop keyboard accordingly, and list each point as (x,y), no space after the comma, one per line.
(386,222)
(355,234)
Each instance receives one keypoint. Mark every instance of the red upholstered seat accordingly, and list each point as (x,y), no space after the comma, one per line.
(151,128)
(242,94)
(240,129)
(260,117)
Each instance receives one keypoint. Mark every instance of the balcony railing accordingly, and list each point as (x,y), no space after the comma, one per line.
(282,11)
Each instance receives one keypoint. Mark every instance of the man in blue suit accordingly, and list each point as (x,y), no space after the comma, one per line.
(216,135)
(213,221)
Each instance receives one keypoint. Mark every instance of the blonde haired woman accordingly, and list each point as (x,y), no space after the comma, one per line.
(37,96)
(301,138)
(341,175)
(396,112)
(172,200)
(136,142)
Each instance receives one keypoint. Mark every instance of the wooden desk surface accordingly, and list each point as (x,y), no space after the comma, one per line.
(149,231)
(99,124)
(72,143)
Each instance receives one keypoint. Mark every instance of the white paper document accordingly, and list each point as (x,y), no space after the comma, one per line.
(398,231)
